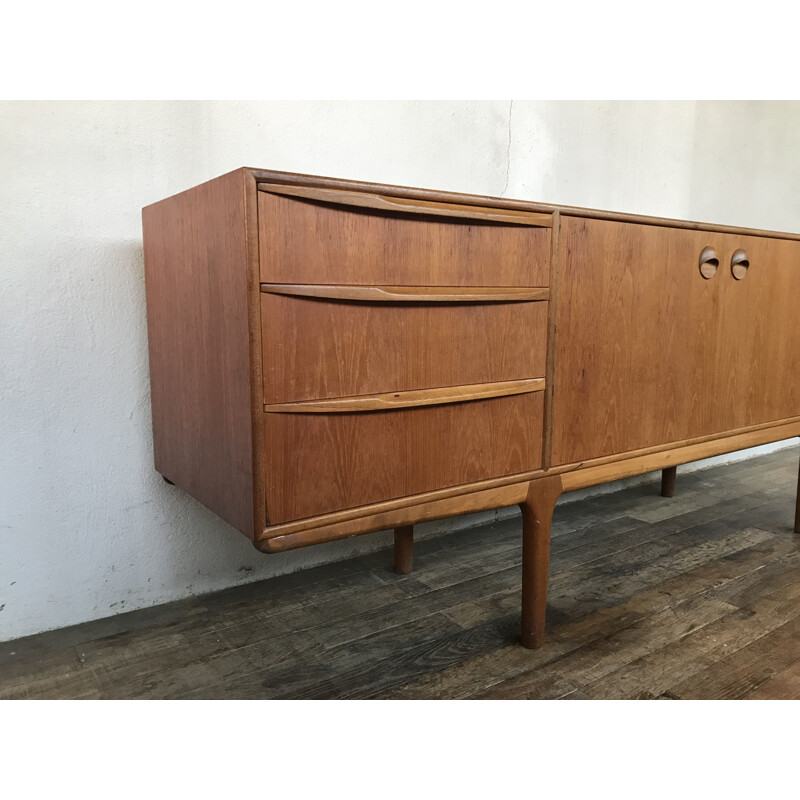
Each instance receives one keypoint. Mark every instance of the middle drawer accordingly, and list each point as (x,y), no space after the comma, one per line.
(316,348)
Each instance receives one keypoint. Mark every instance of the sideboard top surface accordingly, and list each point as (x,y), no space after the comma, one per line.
(262,176)
(299,179)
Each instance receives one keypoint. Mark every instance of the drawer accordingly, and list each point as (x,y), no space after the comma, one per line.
(338,237)
(322,347)
(318,463)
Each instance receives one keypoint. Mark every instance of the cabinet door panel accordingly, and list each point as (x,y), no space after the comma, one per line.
(649,352)
(759,377)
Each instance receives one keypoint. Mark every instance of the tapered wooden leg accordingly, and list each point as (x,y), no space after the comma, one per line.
(537,515)
(797,506)
(668,481)
(403,549)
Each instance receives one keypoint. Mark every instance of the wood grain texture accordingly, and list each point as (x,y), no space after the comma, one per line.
(758,361)
(406,206)
(320,463)
(408,294)
(196,280)
(649,352)
(413,399)
(308,242)
(315,349)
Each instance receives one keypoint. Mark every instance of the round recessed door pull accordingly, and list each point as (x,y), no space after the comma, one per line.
(709,262)
(739,264)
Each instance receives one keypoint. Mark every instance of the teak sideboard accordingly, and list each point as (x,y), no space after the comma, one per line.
(330,357)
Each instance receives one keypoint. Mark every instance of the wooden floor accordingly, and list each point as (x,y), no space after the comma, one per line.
(693,597)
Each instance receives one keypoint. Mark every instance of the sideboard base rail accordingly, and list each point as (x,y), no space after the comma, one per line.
(483,500)
(589,475)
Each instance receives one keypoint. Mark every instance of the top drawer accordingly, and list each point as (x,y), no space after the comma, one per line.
(328,236)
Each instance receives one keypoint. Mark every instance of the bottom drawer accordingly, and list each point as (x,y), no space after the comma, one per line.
(318,463)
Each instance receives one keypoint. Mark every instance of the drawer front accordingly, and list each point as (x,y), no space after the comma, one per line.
(303,240)
(318,348)
(319,463)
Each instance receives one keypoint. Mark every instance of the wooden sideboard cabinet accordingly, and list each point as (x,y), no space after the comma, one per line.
(330,358)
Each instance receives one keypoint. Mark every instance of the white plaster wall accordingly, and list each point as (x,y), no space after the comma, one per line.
(87,528)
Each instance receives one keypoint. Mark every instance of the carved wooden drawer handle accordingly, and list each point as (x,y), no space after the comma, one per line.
(410,294)
(739,264)
(408,206)
(709,262)
(409,399)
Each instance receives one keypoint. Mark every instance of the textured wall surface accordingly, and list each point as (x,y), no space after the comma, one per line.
(87,528)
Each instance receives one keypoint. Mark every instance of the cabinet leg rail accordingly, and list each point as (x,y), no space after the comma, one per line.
(668,481)
(404,549)
(537,516)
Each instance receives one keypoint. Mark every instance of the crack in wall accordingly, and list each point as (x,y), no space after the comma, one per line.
(508,149)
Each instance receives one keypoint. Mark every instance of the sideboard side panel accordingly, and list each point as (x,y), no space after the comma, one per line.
(196,279)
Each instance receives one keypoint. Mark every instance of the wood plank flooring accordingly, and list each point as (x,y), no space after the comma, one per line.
(697,596)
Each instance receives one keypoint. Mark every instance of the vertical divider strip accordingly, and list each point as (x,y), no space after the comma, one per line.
(552,329)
